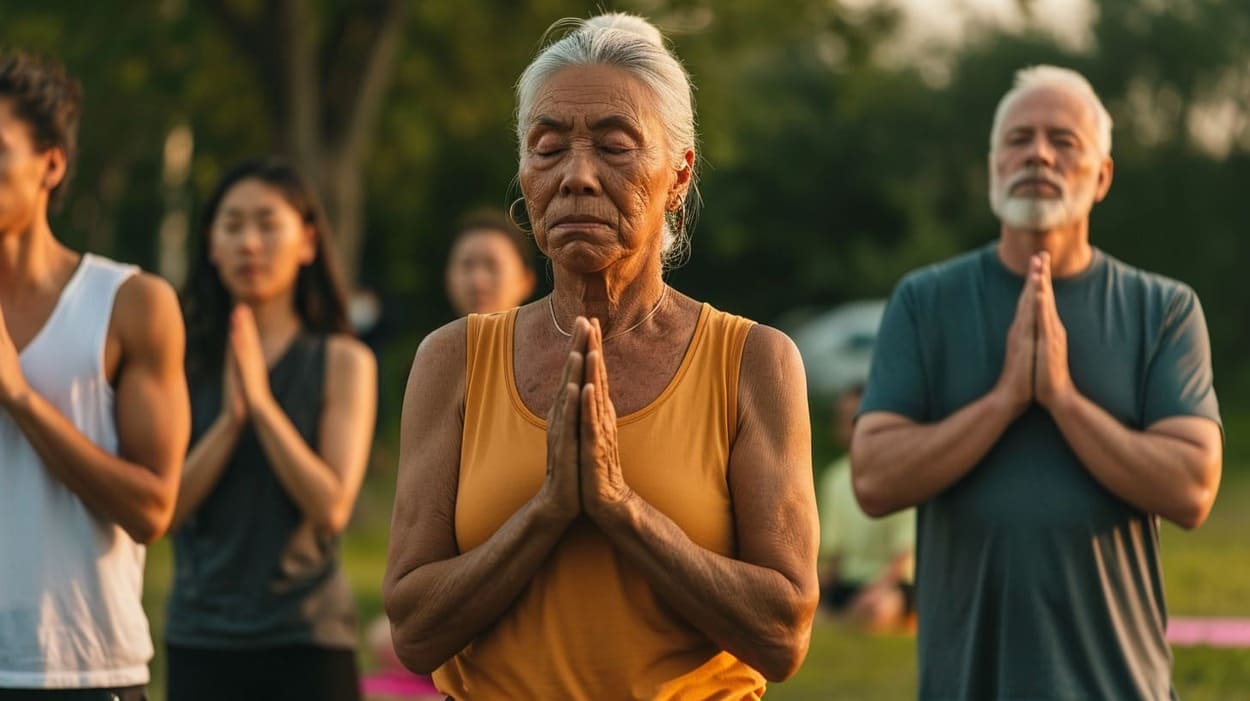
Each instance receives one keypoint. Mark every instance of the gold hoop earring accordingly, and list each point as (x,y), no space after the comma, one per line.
(513,218)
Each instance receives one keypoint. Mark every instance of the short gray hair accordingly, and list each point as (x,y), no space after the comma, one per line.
(634,44)
(1034,77)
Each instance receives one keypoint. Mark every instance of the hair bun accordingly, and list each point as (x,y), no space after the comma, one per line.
(628,23)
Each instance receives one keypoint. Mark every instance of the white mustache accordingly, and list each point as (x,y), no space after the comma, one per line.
(1036,174)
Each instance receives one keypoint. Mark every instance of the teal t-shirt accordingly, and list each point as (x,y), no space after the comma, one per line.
(1032,580)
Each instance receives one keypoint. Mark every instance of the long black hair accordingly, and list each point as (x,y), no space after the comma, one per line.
(206,304)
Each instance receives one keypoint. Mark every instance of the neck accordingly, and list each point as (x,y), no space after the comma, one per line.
(276,322)
(618,305)
(1069,248)
(28,256)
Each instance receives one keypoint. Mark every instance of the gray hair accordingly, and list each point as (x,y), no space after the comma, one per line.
(1066,79)
(634,44)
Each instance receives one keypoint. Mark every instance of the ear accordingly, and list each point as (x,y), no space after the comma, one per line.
(1105,171)
(684,173)
(57,166)
(308,247)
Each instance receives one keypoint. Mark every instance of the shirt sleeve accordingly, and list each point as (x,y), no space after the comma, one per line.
(896,379)
(1179,378)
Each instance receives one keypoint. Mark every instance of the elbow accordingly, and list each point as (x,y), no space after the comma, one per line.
(416,657)
(872,498)
(785,656)
(148,526)
(151,520)
(334,520)
(786,648)
(1195,509)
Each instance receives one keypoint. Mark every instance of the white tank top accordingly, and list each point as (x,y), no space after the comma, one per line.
(70,582)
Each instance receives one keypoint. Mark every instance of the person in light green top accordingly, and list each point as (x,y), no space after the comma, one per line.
(865,563)
(1044,405)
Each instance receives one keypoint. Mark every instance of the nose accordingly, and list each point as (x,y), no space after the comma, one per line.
(1040,152)
(580,176)
(249,239)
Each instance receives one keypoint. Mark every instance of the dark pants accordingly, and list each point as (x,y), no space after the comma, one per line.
(125,693)
(294,673)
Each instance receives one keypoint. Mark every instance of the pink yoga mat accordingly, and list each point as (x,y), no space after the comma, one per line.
(1214,632)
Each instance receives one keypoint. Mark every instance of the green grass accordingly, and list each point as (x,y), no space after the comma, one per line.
(1207,572)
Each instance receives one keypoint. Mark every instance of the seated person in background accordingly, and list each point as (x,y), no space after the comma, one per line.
(865,563)
(490,267)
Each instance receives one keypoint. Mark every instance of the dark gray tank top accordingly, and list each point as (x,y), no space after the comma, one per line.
(249,570)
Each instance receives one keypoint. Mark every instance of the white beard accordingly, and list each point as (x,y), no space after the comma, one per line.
(1038,213)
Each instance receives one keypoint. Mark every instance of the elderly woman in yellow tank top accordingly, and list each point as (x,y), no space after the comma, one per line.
(605,494)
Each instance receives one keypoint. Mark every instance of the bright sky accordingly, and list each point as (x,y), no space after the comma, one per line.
(931,27)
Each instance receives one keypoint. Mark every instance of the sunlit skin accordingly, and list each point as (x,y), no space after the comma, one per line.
(142,355)
(598,178)
(1056,131)
(259,242)
(485,273)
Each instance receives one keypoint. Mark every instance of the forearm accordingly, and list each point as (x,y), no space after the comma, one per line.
(756,613)
(904,465)
(1158,474)
(438,608)
(310,482)
(204,466)
(125,493)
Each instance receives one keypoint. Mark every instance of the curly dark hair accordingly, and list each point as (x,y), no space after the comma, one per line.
(44,96)
(319,298)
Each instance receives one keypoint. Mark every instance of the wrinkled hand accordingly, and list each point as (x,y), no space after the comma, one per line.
(603,484)
(1016,380)
(233,406)
(562,481)
(1052,380)
(249,359)
(12,381)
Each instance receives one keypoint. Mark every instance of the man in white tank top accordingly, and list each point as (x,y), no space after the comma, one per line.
(94,421)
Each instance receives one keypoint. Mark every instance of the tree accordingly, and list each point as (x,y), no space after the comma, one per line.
(325,81)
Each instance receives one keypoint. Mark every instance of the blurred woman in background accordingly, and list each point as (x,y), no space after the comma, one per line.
(283,402)
(490,267)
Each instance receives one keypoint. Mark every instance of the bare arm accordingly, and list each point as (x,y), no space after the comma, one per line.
(1171,469)
(136,488)
(758,606)
(324,482)
(898,463)
(437,598)
(209,455)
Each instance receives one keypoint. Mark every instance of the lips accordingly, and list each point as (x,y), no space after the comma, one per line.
(575,219)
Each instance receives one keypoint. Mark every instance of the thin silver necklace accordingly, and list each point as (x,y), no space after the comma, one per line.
(551,305)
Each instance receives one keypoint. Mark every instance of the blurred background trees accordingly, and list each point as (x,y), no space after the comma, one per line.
(840,148)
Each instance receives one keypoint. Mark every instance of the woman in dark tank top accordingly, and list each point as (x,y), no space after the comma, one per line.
(283,402)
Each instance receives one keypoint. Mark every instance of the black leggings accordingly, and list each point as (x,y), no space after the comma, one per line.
(294,673)
(127,693)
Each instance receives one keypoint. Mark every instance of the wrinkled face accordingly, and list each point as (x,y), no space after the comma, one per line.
(1046,170)
(596,172)
(486,274)
(26,176)
(259,242)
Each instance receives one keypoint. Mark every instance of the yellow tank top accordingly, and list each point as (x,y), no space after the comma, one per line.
(589,626)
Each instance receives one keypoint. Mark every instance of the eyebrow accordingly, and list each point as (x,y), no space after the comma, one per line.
(612,121)
(1048,130)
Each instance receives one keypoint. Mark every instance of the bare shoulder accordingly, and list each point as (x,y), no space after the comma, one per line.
(444,349)
(770,355)
(146,317)
(348,355)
